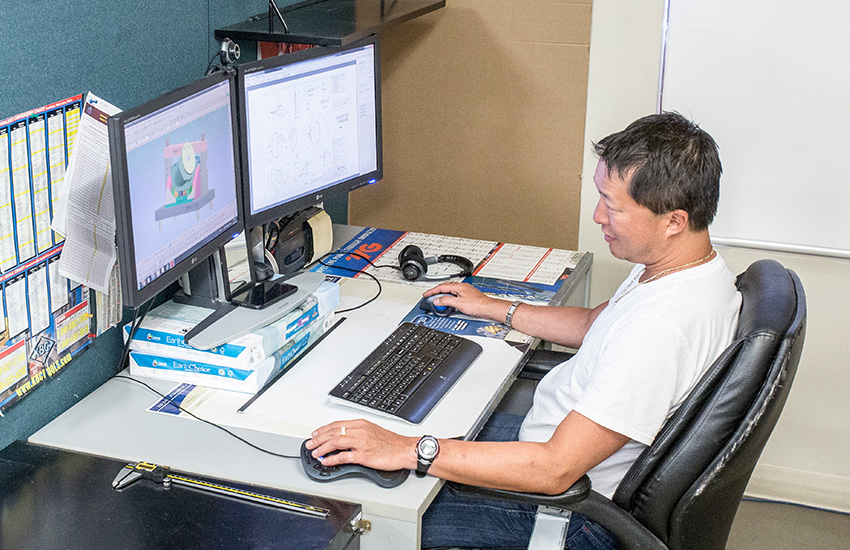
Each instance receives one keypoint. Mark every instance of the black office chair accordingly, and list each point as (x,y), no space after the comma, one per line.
(682,493)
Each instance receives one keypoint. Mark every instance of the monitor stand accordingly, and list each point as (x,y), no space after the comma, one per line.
(229,322)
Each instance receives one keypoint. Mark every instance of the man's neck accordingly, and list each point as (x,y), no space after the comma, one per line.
(687,253)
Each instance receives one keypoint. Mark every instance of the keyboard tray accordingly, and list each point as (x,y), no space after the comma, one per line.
(408,373)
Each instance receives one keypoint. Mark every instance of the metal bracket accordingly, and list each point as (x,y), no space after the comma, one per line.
(550,528)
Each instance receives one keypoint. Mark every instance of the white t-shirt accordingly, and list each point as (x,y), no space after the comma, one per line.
(639,360)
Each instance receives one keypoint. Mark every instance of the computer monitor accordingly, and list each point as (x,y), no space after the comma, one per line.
(311,128)
(175,174)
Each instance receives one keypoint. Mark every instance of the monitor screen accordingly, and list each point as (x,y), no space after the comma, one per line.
(311,127)
(176,183)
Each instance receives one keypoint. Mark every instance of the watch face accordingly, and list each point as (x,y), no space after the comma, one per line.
(428,448)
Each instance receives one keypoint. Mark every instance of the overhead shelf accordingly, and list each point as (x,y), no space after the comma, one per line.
(328,22)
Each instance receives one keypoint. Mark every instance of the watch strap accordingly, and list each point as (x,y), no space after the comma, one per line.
(510,315)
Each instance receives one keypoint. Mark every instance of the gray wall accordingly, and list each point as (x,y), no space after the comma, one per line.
(126,53)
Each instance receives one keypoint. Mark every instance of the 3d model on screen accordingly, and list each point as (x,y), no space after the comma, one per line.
(186,188)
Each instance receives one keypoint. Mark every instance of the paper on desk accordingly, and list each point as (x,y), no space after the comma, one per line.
(86,217)
(300,402)
(213,405)
(393,303)
(500,261)
(530,264)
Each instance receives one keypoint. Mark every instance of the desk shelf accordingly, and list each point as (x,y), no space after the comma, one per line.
(329,22)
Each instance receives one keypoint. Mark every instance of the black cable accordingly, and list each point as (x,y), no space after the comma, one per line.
(363,271)
(272,235)
(137,322)
(134,326)
(213,424)
(210,68)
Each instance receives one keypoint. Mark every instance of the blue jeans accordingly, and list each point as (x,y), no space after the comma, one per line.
(454,521)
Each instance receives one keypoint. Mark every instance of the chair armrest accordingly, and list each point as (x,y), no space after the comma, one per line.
(578,492)
(628,531)
(541,361)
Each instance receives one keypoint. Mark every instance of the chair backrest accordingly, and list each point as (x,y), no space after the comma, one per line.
(686,487)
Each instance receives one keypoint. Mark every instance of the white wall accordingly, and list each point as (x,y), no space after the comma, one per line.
(806,459)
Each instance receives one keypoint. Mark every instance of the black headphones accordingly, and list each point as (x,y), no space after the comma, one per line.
(414,264)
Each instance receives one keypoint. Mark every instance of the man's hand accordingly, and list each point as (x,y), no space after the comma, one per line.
(469,300)
(363,443)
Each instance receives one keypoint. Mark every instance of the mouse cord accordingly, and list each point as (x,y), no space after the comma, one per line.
(213,424)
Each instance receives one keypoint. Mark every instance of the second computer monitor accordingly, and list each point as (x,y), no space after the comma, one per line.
(311,128)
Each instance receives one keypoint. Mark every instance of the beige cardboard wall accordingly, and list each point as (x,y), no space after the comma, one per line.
(483,119)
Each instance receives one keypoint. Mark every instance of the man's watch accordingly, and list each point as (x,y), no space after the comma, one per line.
(509,317)
(426,451)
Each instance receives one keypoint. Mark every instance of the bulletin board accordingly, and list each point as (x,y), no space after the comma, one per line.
(46,319)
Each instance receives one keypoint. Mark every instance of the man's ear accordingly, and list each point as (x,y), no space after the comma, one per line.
(677,222)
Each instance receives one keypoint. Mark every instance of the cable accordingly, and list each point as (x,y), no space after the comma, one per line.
(272,235)
(134,326)
(138,320)
(210,67)
(213,424)
(363,271)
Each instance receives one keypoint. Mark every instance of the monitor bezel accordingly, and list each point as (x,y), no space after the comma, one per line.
(293,206)
(134,297)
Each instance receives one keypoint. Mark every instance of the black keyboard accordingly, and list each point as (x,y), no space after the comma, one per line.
(408,373)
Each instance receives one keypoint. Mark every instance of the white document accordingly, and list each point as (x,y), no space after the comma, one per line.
(16,305)
(37,294)
(58,285)
(40,185)
(532,264)
(109,305)
(511,262)
(22,192)
(56,152)
(8,257)
(88,222)
(430,245)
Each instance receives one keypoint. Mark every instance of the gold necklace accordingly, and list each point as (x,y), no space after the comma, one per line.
(667,271)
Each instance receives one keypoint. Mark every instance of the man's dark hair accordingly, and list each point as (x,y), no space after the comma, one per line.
(674,164)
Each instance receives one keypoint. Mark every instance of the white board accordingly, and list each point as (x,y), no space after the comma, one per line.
(770,81)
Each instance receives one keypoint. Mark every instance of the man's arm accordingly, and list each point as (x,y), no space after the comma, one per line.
(577,445)
(561,325)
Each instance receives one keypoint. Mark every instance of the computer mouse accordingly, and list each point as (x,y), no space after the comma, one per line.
(428,304)
(317,471)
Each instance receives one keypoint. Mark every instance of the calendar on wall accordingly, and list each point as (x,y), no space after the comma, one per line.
(45,319)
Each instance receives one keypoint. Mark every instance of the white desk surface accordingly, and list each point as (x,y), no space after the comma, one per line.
(113,422)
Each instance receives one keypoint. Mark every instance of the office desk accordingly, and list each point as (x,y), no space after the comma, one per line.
(113,422)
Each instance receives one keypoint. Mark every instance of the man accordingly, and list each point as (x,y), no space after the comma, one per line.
(639,354)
